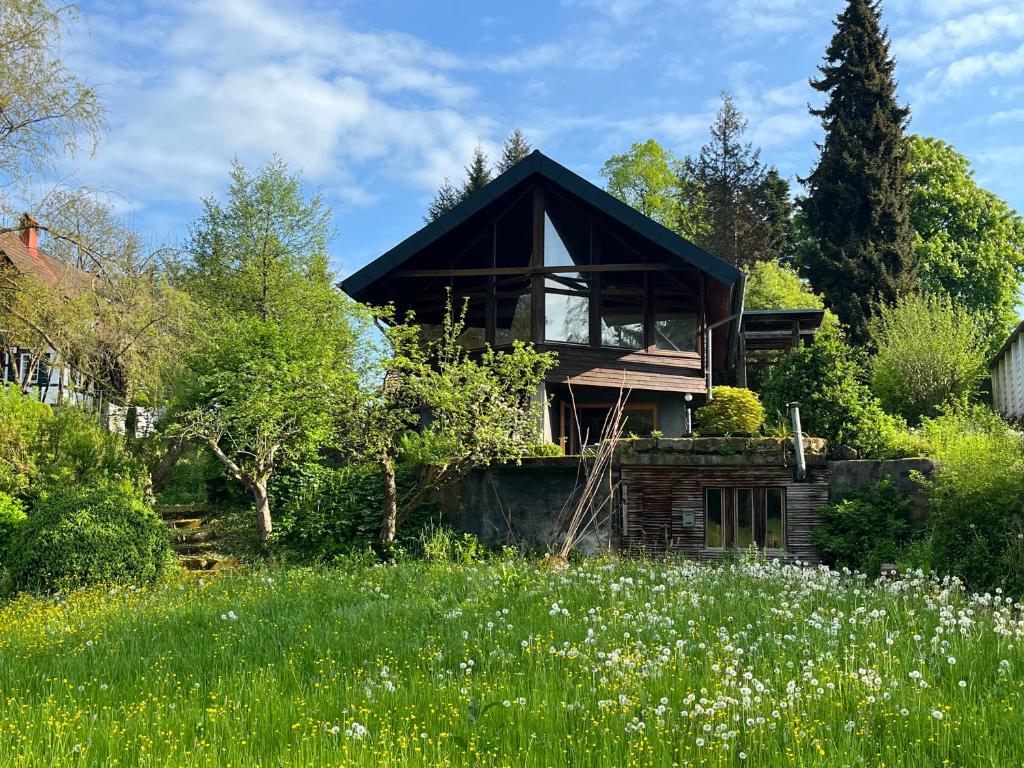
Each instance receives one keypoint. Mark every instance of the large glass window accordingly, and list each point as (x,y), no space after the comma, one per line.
(714,517)
(675,331)
(738,518)
(567,308)
(744,518)
(675,315)
(622,310)
(775,529)
(513,321)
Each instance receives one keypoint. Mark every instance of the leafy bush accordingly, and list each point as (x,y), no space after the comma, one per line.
(733,409)
(443,545)
(930,353)
(542,450)
(77,536)
(977,499)
(330,512)
(771,285)
(39,446)
(864,529)
(834,401)
(21,423)
(12,517)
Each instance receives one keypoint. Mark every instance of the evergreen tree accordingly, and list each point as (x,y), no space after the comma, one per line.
(775,213)
(478,173)
(447,197)
(744,207)
(860,242)
(516,148)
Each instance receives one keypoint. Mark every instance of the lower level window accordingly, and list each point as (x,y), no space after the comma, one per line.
(738,518)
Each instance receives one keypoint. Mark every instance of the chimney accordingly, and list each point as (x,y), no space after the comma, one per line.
(30,231)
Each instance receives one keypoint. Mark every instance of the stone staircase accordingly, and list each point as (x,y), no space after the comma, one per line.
(193,538)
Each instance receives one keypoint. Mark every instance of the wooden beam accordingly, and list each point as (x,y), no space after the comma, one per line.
(487,272)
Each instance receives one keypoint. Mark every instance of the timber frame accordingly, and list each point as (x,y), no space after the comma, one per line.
(544,256)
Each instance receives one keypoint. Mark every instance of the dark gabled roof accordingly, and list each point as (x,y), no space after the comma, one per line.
(544,166)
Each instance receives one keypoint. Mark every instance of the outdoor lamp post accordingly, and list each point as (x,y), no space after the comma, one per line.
(687,422)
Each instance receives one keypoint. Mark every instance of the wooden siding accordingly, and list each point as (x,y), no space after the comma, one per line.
(660,496)
(660,372)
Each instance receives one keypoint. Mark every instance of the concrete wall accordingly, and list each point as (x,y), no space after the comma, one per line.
(905,474)
(525,505)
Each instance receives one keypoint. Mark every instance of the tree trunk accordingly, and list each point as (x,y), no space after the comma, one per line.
(263,522)
(161,473)
(389,527)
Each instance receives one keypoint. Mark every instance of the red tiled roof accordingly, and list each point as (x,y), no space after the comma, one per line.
(39,264)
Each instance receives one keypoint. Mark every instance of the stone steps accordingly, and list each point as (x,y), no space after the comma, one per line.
(192,539)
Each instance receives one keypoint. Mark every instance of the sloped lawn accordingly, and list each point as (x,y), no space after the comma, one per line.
(510,664)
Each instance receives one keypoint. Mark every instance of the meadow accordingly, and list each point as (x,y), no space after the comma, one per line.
(510,663)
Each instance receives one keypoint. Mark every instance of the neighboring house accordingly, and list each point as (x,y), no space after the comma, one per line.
(542,255)
(1007,371)
(40,372)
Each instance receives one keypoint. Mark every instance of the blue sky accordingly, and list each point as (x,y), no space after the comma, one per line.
(375,100)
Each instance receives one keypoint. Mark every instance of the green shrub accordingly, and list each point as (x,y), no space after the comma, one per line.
(834,401)
(40,446)
(325,512)
(542,450)
(930,353)
(12,517)
(76,536)
(443,545)
(733,409)
(865,528)
(977,499)
(21,425)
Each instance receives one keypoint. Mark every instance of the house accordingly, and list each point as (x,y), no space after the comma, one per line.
(542,255)
(33,369)
(1007,372)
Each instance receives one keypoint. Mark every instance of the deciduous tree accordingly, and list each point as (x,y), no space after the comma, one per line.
(273,370)
(969,244)
(45,109)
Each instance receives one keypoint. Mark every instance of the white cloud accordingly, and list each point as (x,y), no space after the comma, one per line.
(946,40)
(228,78)
(620,11)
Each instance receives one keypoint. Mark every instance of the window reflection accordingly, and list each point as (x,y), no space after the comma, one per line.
(567,309)
(622,311)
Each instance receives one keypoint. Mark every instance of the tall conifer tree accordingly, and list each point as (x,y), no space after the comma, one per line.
(447,197)
(743,201)
(859,240)
(516,148)
(478,173)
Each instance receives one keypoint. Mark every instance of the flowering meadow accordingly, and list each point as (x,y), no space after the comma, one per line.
(509,663)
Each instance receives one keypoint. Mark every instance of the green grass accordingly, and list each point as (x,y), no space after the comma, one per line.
(639,664)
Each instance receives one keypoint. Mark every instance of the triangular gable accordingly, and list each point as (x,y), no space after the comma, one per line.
(542,165)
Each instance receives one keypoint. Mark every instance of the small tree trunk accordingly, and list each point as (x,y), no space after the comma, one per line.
(389,527)
(263,522)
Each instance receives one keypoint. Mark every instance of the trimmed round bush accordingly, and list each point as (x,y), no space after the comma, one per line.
(77,536)
(734,409)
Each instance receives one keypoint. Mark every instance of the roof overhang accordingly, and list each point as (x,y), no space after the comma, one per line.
(538,164)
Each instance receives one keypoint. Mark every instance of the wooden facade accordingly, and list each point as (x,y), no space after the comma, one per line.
(541,255)
(664,508)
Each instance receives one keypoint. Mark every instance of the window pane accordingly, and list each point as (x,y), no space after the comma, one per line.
(622,311)
(775,532)
(713,517)
(744,518)
(675,331)
(513,321)
(567,309)
(566,233)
